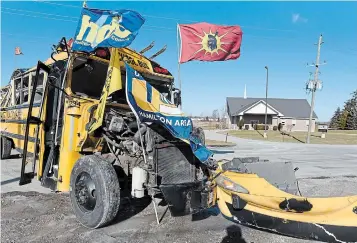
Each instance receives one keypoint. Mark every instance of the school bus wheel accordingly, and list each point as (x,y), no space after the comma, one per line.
(94,191)
(6,145)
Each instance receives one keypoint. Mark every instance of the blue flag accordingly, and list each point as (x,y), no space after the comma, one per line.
(149,105)
(106,28)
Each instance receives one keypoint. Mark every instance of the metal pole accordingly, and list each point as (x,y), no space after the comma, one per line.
(266,104)
(178,61)
(15,60)
(314,88)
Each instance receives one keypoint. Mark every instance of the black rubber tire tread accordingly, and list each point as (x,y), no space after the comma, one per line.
(107,191)
(6,146)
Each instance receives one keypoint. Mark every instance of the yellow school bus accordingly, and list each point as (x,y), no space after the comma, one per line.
(50,114)
(14,107)
(82,89)
(47,112)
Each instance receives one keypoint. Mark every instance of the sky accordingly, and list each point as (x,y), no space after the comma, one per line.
(280,35)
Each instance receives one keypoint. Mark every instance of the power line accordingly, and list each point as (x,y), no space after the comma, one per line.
(64,16)
(21,10)
(344,52)
(170,18)
(58,4)
(34,16)
(145,27)
(346,49)
(69,20)
(39,37)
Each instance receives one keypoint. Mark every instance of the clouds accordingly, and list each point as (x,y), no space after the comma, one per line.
(297,18)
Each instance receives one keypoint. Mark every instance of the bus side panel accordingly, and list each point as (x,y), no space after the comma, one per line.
(41,136)
(13,124)
(68,153)
(75,139)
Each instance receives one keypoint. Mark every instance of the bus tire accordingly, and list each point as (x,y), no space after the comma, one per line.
(6,146)
(94,191)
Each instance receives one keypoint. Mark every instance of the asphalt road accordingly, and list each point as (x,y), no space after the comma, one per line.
(33,214)
(313,160)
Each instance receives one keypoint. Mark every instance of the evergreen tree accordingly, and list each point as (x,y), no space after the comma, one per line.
(343,119)
(351,107)
(335,118)
(241,123)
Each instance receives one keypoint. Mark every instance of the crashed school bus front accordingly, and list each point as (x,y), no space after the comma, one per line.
(107,125)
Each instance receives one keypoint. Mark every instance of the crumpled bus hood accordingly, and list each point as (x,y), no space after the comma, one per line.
(249,199)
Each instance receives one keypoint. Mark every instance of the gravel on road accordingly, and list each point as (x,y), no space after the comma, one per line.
(30,214)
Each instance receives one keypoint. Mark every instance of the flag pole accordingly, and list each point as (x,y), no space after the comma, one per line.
(15,59)
(178,61)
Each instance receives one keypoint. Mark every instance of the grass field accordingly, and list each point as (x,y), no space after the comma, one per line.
(331,137)
(213,143)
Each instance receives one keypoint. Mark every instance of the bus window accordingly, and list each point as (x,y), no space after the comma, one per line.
(40,80)
(25,81)
(25,88)
(17,83)
(39,88)
(18,91)
(21,90)
(38,96)
(88,77)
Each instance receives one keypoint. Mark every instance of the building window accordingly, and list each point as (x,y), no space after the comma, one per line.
(252,122)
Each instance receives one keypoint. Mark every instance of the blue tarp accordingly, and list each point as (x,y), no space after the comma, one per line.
(149,105)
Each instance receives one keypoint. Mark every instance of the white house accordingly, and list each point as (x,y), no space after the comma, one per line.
(293,114)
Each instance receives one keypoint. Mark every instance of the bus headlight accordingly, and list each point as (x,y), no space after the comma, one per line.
(230,185)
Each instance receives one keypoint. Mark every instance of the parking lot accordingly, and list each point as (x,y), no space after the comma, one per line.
(34,214)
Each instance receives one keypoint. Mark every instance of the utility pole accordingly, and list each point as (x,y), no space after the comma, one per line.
(314,85)
(266,103)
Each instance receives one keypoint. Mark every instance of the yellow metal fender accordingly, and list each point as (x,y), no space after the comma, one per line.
(250,200)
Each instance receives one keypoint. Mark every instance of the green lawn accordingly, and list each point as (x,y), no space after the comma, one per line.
(213,143)
(331,137)
(343,131)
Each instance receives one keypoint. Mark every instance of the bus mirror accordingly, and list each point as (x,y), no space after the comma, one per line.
(177,98)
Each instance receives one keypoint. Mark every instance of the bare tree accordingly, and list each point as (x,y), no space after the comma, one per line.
(215,114)
(223,117)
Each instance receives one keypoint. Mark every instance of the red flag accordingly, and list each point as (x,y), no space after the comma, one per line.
(70,43)
(18,51)
(209,42)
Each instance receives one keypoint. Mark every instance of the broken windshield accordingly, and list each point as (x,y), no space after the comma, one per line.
(88,79)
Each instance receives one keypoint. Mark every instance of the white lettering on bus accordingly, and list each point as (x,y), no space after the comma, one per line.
(164,120)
